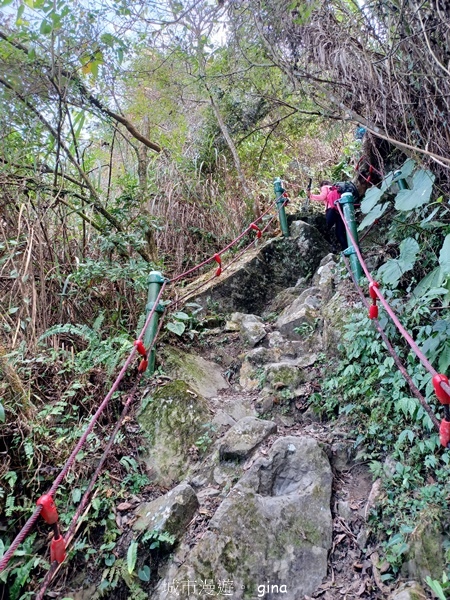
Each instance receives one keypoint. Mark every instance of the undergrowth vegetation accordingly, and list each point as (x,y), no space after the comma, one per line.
(390,428)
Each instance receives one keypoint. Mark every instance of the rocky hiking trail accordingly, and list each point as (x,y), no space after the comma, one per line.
(259,496)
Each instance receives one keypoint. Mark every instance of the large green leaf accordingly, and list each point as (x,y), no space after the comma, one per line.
(444,256)
(374,214)
(371,199)
(419,194)
(176,327)
(391,271)
(407,168)
(432,280)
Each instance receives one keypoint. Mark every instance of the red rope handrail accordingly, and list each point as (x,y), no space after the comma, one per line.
(29,524)
(227,247)
(414,347)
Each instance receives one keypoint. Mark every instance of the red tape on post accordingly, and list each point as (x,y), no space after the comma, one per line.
(48,512)
(442,395)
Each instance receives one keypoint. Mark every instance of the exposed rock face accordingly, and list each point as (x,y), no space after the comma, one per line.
(202,375)
(261,274)
(244,437)
(170,513)
(175,419)
(274,528)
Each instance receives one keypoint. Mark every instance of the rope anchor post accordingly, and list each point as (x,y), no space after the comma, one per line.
(281,199)
(155,281)
(347,201)
(398,177)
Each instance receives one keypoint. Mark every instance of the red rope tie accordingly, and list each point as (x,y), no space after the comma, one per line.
(50,515)
(373,309)
(139,345)
(257,229)
(219,262)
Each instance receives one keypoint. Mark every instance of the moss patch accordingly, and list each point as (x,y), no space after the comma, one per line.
(174,420)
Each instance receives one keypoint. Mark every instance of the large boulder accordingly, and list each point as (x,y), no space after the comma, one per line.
(261,273)
(274,529)
(175,419)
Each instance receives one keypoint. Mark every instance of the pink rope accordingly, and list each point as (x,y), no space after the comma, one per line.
(414,347)
(20,537)
(27,527)
(414,389)
(232,243)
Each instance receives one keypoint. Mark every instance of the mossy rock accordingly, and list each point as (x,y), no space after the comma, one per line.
(175,419)
(204,376)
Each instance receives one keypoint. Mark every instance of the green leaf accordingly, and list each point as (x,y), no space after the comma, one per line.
(432,280)
(374,214)
(2,414)
(407,168)
(436,587)
(391,271)
(132,557)
(181,316)
(444,358)
(444,256)
(144,573)
(110,560)
(5,3)
(76,495)
(371,199)
(419,194)
(46,27)
(176,327)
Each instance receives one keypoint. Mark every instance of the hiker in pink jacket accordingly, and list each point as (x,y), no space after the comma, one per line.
(328,195)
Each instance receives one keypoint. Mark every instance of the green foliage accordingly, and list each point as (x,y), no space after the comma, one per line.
(132,557)
(439,588)
(370,391)
(107,352)
(206,439)
(391,272)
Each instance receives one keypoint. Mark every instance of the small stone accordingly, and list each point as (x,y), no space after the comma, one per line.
(244,437)
(124,506)
(170,513)
(264,405)
(361,538)
(251,328)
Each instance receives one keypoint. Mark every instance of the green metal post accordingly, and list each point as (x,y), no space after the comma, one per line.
(347,202)
(401,182)
(155,281)
(279,190)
